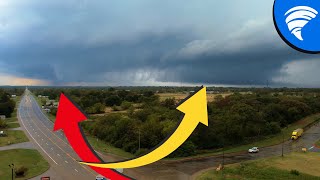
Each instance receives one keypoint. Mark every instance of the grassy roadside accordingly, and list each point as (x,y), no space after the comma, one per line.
(13,136)
(28,158)
(293,166)
(107,148)
(13,125)
(14,118)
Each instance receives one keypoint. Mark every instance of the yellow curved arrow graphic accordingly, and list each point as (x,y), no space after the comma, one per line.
(195,109)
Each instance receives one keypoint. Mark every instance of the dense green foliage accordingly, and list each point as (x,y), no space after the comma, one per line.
(236,119)
(239,119)
(153,122)
(6,104)
(3,124)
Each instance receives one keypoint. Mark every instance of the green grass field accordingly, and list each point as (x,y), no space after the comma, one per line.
(28,158)
(13,137)
(307,165)
(107,148)
(13,125)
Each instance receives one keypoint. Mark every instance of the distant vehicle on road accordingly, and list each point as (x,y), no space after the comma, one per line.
(253,150)
(296,134)
(100,177)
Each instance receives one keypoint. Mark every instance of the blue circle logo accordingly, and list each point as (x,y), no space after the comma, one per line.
(298,23)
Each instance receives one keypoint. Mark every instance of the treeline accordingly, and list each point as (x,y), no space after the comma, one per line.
(6,104)
(94,101)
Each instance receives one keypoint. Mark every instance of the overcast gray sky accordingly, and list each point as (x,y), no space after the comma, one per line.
(146,42)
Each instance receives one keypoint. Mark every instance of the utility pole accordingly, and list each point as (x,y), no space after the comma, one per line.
(12,168)
(139,140)
(282,143)
(223,157)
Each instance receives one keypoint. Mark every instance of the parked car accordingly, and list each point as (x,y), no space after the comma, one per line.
(253,150)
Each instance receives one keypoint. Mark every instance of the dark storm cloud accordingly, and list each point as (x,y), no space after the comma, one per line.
(253,65)
(145,43)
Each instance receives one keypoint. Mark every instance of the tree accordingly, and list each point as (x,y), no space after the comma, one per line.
(169,103)
(125,105)
(113,100)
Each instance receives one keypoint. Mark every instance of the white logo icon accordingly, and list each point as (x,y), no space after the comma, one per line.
(298,17)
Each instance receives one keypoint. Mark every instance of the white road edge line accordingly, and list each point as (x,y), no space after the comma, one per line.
(61,133)
(36,140)
(48,120)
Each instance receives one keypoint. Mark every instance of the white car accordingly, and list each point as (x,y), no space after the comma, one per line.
(253,150)
(100,177)
(2,134)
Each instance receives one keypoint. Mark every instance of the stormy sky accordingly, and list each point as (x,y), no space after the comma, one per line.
(147,42)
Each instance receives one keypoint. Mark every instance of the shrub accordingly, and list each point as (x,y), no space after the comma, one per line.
(21,171)
(187,149)
(125,105)
(3,124)
(140,152)
(295,172)
(115,108)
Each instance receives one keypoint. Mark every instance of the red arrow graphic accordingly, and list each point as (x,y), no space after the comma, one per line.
(68,118)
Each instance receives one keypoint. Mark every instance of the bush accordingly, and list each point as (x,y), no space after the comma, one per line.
(142,151)
(125,105)
(295,172)
(187,149)
(3,124)
(21,171)
(115,108)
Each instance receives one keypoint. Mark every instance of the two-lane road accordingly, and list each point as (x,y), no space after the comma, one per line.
(63,161)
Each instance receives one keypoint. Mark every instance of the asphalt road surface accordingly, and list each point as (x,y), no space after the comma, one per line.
(64,162)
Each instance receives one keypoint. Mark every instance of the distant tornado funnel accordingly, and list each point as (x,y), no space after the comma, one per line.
(298,17)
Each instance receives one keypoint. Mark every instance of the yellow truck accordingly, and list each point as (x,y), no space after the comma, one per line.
(296,134)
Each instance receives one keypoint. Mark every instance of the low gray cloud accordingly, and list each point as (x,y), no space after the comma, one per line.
(145,43)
